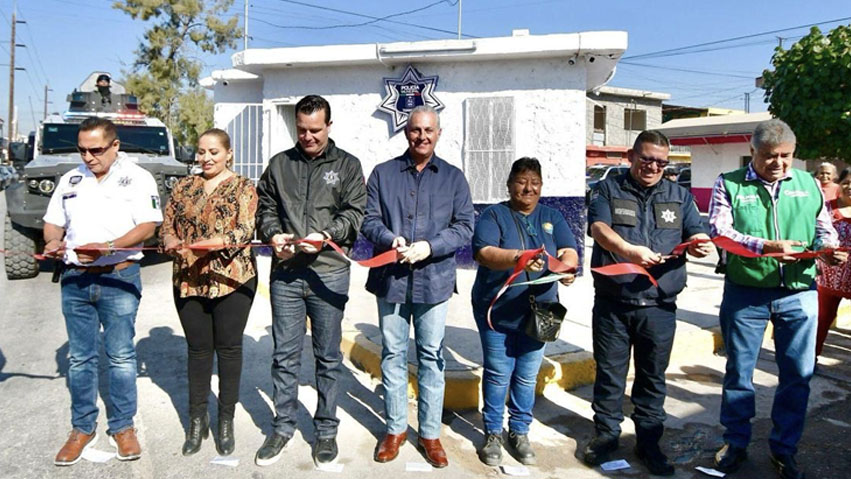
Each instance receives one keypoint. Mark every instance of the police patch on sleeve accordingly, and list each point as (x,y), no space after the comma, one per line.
(624,212)
(155,202)
(75,180)
(668,215)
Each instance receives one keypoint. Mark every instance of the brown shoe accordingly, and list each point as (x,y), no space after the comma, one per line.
(127,445)
(72,451)
(388,448)
(434,453)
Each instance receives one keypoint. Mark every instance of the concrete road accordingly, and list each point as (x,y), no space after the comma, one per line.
(35,416)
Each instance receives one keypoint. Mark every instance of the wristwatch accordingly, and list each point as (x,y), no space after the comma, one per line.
(517,256)
(111,248)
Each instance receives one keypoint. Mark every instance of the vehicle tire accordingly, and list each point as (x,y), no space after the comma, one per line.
(20,239)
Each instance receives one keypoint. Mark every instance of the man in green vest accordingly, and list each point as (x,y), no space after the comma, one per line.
(769,207)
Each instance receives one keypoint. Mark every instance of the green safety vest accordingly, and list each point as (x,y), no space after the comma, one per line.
(791,217)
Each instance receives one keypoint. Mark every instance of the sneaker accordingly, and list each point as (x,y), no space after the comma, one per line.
(325,451)
(597,451)
(654,459)
(271,450)
(491,452)
(126,445)
(72,451)
(522,448)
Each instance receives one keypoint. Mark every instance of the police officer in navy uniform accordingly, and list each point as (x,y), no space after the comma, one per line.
(638,218)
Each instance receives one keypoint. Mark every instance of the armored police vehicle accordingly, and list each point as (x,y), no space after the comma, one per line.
(145,140)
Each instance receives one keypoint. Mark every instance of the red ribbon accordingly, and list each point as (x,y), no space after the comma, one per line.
(553,264)
(382,259)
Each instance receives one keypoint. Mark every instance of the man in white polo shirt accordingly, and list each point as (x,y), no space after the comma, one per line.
(106,204)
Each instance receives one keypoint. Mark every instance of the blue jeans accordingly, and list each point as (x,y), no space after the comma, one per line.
(745,311)
(429,325)
(296,295)
(89,301)
(511,364)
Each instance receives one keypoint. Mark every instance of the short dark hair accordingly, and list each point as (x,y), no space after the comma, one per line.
(220,134)
(95,123)
(313,103)
(103,76)
(844,174)
(654,137)
(522,165)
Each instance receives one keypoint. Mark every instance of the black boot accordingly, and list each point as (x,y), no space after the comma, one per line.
(226,440)
(199,429)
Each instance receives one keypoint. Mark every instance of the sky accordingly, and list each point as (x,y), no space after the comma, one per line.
(65,40)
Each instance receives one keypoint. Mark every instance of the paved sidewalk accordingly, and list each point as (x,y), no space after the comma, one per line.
(568,362)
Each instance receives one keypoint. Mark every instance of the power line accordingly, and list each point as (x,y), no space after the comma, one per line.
(685,70)
(37,55)
(369,22)
(727,40)
(361,15)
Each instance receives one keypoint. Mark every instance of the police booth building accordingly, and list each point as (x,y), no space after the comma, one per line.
(499,99)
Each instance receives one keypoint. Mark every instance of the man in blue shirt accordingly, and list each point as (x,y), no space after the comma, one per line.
(419,205)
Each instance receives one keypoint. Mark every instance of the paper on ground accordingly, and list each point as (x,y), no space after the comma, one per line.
(515,470)
(710,472)
(332,467)
(96,455)
(225,461)
(615,465)
(417,467)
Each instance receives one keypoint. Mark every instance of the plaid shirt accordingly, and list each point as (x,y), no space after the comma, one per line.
(721,216)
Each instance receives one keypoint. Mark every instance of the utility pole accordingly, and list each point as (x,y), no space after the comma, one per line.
(12,68)
(459,19)
(11,131)
(46,89)
(747,102)
(245,29)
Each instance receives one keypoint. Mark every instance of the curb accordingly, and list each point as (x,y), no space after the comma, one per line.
(564,371)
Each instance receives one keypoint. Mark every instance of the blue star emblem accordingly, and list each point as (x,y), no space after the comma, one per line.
(406,93)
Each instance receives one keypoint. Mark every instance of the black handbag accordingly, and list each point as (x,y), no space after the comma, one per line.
(544,321)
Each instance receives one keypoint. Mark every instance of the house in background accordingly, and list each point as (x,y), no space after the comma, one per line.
(503,98)
(678,112)
(614,118)
(718,144)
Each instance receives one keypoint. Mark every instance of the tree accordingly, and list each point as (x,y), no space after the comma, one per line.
(166,70)
(810,89)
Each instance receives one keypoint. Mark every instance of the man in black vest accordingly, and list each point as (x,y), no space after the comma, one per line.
(638,218)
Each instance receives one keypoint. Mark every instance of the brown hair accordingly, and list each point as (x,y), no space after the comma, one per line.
(220,135)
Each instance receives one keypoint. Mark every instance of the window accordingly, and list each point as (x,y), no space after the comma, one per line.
(634,119)
(599,134)
(488,146)
(245,131)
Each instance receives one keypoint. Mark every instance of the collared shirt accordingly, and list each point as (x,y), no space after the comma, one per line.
(721,215)
(93,211)
(432,205)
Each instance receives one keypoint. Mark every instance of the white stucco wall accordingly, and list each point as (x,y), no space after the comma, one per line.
(549,105)
(709,161)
